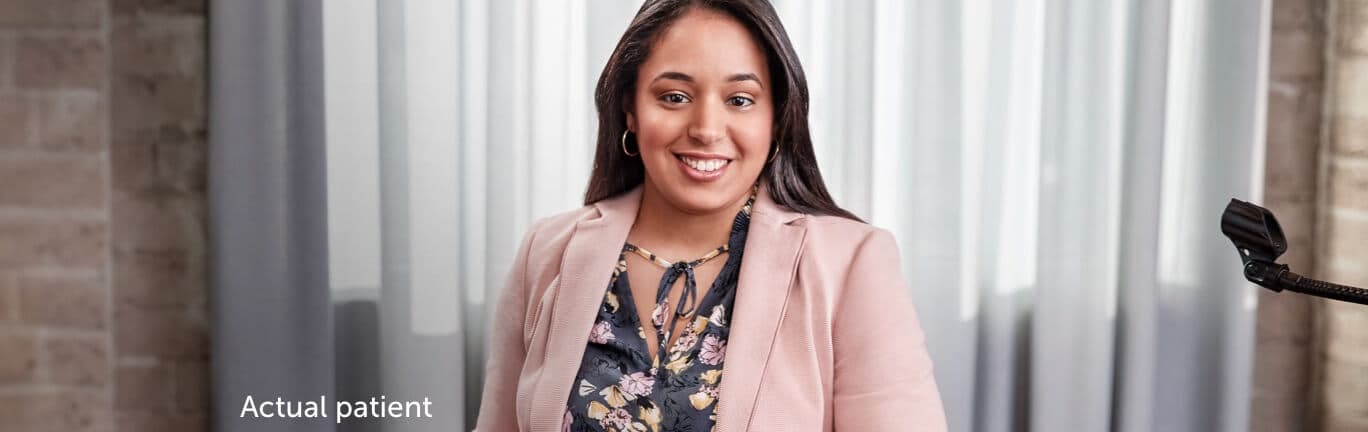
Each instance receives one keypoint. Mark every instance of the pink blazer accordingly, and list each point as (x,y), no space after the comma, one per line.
(824,335)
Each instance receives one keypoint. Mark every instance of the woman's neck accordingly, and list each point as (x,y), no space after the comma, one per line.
(674,233)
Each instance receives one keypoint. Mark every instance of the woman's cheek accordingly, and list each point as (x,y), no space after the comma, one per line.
(754,141)
(658,131)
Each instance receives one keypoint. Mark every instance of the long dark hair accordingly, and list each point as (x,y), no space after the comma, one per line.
(792,177)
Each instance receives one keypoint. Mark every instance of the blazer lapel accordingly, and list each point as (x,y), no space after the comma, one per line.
(773,244)
(586,267)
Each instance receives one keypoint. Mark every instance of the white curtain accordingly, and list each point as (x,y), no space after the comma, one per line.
(1053,171)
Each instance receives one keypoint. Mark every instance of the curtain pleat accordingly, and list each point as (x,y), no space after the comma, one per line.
(1052,169)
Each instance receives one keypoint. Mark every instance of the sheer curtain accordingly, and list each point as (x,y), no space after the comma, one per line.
(1053,171)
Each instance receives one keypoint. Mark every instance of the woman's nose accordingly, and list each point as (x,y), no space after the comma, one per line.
(709,125)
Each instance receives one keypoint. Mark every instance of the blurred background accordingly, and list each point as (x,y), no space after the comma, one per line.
(205,200)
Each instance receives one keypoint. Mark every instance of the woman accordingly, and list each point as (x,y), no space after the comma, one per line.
(710,282)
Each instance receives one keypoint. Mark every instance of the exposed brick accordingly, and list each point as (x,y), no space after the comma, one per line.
(1294,123)
(141,104)
(1344,424)
(147,222)
(18,356)
(165,160)
(52,241)
(159,422)
(75,302)
(169,333)
(158,73)
(1344,324)
(1299,55)
(144,388)
(79,78)
(1344,368)
(160,47)
(1350,237)
(56,411)
(1349,136)
(76,360)
(73,121)
(1348,186)
(1285,321)
(1351,95)
(163,7)
(192,387)
(7,55)
(17,121)
(1282,370)
(157,279)
(1294,15)
(51,13)
(1297,68)
(1352,26)
(52,182)
(60,62)
(1344,270)
(9,299)
(1345,382)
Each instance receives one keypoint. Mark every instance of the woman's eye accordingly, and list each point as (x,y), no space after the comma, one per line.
(740,101)
(675,98)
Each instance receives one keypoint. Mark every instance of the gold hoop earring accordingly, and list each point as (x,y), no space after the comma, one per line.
(624,144)
(774,155)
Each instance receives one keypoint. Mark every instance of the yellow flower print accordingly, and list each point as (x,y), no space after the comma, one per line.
(651,415)
(612,301)
(711,376)
(701,322)
(597,410)
(700,400)
(615,397)
(678,365)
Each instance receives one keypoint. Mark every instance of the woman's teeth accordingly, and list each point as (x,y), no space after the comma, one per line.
(705,165)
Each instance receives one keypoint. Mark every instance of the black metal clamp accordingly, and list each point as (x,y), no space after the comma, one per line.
(1260,241)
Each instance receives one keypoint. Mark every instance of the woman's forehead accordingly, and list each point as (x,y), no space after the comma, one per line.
(708,46)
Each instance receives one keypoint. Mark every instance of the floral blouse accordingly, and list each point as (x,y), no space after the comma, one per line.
(619,387)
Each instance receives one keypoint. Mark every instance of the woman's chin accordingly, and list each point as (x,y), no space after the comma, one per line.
(701,199)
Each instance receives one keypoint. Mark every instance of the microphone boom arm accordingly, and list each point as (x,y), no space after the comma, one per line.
(1259,240)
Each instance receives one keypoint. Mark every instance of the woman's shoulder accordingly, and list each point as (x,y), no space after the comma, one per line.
(837,241)
(556,229)
(839,232)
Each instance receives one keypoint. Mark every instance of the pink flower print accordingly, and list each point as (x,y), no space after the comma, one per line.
(658,314)
(602,333)
(638,384)
(567,420)
(710,390)
(685,341)
(617,419)
(713,351)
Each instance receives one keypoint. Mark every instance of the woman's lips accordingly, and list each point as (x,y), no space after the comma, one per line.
(702,169)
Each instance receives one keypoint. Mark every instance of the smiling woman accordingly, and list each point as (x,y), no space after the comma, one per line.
(707,230)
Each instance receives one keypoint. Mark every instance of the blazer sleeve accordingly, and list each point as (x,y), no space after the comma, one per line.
(883,377)
(507,348)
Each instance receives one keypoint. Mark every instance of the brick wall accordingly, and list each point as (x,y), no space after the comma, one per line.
(1283,361)
(102,142)
(1343,351)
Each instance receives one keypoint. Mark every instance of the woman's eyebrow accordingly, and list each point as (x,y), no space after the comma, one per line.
(744,77)
(680,76)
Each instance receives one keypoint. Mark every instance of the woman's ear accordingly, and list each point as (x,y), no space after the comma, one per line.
(631,121)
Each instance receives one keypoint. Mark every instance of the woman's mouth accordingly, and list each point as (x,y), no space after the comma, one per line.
(702,168)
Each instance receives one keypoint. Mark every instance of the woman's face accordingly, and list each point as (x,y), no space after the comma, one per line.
(702,112)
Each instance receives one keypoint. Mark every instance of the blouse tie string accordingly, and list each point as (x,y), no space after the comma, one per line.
(688,300)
